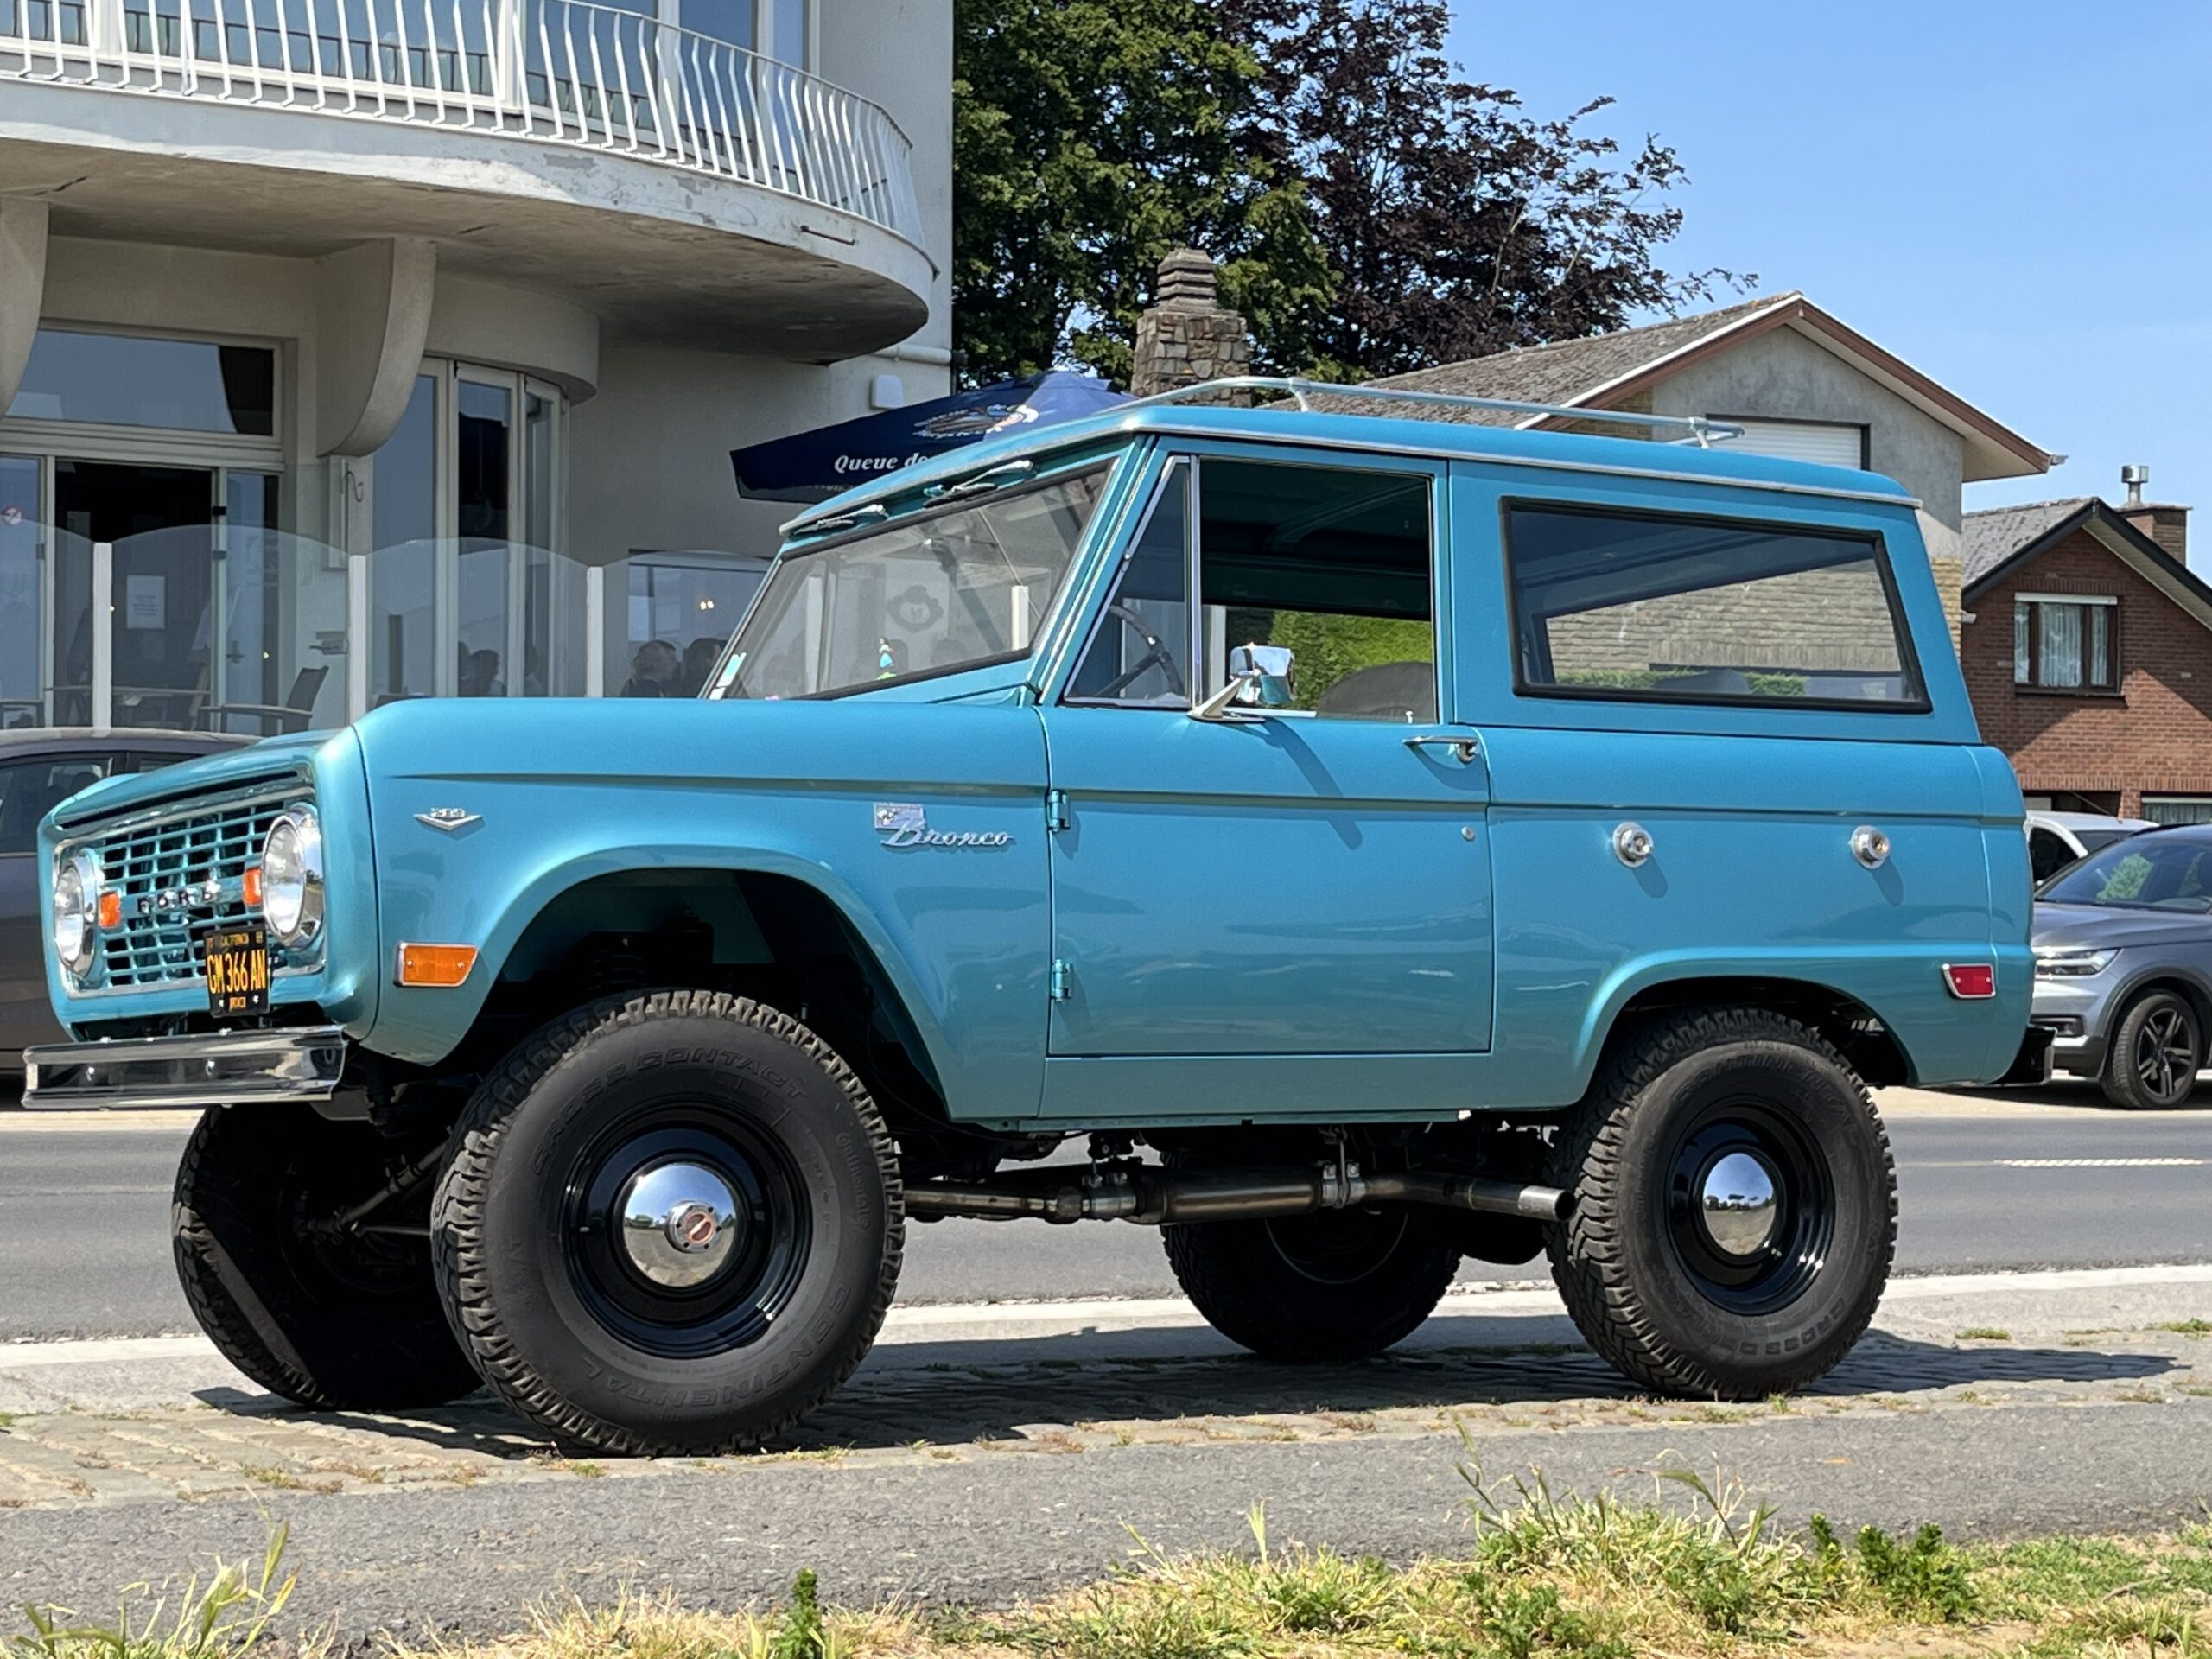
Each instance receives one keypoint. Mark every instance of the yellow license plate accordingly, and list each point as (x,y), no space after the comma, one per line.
(237,971)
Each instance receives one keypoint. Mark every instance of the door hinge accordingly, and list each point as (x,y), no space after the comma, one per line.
(1062,977)
(1056,810)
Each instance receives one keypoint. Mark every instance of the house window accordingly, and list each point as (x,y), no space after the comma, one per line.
(2177,808)
(2066,642)
(1830,442)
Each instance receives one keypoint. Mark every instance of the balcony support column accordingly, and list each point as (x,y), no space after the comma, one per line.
(372,316)
(22,287)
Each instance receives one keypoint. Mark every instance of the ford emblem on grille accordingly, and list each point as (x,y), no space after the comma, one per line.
(202,895)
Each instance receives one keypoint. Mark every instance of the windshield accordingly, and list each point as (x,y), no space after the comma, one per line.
(931,595)
(2096,840)
(2142,873)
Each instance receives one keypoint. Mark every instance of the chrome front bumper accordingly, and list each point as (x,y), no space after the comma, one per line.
(226,1068)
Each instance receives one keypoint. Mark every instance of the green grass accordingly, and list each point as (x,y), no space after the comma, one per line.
(1698,1572)
(1985,1333)
(2188,1328)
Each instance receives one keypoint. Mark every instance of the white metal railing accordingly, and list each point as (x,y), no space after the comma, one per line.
(567,70)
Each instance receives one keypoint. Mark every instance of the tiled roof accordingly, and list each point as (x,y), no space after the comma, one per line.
(1994,535)
(1570,370)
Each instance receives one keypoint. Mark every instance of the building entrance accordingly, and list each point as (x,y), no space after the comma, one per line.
(161,521)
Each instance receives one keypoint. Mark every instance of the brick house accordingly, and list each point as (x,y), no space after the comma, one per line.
(1800,382)
(2086,643)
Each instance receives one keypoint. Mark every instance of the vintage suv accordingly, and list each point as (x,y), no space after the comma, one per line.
(1430,839)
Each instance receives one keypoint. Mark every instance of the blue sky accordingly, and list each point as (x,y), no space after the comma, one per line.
(2015,197)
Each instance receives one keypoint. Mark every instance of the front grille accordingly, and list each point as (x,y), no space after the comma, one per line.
(197,844)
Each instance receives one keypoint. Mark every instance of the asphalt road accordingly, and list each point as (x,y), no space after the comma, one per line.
(84,1215)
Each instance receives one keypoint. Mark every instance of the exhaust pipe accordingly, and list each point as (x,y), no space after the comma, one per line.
(1154,1197)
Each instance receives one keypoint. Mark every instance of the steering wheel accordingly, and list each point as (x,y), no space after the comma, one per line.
(1156,656)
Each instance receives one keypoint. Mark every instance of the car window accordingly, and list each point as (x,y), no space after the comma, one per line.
(2143,873)
(2047,855)
(31,789)
(1336,563)
(1638,607)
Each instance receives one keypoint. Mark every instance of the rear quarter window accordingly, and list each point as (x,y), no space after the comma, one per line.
(1660,606)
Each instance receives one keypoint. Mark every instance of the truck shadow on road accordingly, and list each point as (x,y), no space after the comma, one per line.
(951,1394)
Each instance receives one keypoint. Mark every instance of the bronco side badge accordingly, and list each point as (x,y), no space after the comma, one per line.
(902,823)
(449,818)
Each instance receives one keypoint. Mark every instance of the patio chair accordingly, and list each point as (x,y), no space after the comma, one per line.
(277,718)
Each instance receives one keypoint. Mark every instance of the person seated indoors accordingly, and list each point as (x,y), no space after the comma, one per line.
(653,671)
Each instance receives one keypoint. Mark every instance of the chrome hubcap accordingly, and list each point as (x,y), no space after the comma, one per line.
(1737,1200)
(680,1224)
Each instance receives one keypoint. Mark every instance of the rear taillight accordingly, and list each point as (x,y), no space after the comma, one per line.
(1971,982)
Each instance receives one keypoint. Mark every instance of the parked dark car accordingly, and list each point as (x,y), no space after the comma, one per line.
(39,769)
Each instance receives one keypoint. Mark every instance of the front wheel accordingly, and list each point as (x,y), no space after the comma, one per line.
(1735,1207)
(670,1223)
(2156,1049)
(336,1317)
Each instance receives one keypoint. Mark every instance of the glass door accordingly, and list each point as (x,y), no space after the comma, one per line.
(23,656)
(160,522)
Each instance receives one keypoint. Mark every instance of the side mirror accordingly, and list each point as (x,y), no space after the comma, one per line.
(1259,677)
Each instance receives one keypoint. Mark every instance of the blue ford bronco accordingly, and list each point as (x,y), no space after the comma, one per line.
(1374,839)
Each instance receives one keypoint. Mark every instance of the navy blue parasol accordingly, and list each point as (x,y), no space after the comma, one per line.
(815,466)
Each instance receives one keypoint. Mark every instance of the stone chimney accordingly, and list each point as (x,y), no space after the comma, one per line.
(2163,522)
(1187,336)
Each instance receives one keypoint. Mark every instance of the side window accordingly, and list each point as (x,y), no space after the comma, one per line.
(2047,855)
(31,789)
(1621,604)
(1140,654)
(1333,563)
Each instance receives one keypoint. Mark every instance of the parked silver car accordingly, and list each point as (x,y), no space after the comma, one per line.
(2123,945)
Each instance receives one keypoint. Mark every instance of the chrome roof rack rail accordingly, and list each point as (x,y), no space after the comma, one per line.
(1693,428)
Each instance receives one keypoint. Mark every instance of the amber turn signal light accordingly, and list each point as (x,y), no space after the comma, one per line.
(111,910)
(438,966)
(249,889)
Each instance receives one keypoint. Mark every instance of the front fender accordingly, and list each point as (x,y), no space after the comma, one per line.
(960,929)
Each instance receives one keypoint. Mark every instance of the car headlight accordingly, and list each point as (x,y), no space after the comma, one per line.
(2071,964)
(291,877)
(76,910)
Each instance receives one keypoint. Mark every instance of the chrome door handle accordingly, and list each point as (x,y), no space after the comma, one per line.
(1463,749)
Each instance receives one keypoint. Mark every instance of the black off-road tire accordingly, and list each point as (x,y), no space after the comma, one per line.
(2153,1017)
(347,1322)
(1336,1285)
(1627,1258)
(524,1308)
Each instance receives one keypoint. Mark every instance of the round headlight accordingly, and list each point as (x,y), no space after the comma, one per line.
(291,877)
(76,908)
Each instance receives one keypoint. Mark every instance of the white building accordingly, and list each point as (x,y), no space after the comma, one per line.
(360,349)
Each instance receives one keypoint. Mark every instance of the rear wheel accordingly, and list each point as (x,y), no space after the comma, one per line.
(2156,1050)
(1337,1284)
(333,1318)
(670,1223)
(1735,1207)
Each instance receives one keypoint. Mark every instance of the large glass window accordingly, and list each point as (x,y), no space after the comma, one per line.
(945,591)
(22,697)
(189,385)
(680,614)
(403,522)
(1627,605)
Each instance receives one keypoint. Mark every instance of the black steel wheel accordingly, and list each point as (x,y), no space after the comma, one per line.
(2156,1050)
(669,1223)
(337,1317)
(1734,1213)
(1335,1285)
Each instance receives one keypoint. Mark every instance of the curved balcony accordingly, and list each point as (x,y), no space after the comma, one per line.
(560,76)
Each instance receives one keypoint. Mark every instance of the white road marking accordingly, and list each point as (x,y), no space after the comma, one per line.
(2101,1163)
(935,1322)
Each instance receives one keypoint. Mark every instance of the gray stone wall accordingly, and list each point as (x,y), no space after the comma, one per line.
(1187,336)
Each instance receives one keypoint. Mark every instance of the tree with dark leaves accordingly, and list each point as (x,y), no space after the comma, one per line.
(1454,223)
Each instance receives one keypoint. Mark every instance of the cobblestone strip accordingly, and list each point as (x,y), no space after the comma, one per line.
(948,1414)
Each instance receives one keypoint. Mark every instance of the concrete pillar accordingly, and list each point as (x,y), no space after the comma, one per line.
(1188,336)
(22,288)
(372,316)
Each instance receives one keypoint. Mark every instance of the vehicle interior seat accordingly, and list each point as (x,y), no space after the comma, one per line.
(1399,691)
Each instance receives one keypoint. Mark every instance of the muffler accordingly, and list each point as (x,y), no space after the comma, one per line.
(1154,1197)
